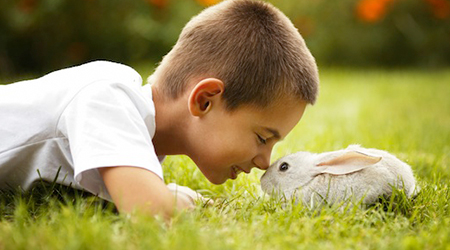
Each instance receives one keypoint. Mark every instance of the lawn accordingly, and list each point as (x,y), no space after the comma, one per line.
(406,112)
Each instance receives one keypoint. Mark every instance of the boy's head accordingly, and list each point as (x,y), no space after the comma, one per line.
(246,75)
(251,47)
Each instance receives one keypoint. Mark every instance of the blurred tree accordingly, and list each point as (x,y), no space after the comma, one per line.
(43,35)
(376,32)
(40,36)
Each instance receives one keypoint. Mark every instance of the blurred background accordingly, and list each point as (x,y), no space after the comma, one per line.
(38,36)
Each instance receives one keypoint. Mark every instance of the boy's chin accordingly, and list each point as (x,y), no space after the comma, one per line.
(216,181)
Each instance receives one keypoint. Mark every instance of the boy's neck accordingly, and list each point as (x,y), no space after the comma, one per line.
(172,124)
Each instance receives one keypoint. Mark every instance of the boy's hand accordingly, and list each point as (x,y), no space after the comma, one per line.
(133,188)
(186,195)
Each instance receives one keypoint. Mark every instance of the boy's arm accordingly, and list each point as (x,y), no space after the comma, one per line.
(133,188)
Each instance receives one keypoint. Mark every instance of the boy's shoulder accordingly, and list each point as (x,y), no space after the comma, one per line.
(91,72)
(103,70)
(107,66)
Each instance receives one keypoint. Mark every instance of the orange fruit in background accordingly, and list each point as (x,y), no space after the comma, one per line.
(207,2)
(371,10)
(440,8)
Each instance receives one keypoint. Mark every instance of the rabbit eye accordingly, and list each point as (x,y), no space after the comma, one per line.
(284,167)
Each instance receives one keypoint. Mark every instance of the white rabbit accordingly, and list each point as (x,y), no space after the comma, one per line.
(350,175)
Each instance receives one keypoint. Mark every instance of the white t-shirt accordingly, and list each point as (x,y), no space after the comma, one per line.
(75,121)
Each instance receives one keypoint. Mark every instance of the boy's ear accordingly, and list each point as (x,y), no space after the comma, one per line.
(204,95)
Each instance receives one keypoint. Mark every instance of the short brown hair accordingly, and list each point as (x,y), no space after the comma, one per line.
(251,46)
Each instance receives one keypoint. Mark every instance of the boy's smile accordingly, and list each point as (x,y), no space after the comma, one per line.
(224,143)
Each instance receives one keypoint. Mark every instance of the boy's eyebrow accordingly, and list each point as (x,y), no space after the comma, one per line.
(275,132)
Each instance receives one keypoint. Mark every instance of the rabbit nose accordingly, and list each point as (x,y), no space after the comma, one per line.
(262,176)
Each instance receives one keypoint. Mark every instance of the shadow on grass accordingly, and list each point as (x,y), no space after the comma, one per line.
(45,196)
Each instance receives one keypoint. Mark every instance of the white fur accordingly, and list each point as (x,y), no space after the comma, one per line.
(313,178)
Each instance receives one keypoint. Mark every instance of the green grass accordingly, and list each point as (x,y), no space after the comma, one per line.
(406,112)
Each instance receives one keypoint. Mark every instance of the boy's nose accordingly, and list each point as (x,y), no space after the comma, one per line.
(262,161)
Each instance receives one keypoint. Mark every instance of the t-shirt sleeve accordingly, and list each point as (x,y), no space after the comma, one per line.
(105,128)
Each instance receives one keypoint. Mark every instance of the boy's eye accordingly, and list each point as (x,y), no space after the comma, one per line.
(262,140)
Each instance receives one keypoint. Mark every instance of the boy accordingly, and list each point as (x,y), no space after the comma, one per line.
(235,83)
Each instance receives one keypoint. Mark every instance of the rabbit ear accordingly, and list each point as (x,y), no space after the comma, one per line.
(348,163)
